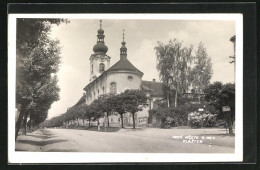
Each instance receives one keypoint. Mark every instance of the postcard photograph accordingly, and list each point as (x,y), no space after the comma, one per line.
(125,88)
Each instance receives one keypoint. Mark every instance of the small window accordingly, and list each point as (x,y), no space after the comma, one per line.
(101,67)
(130,78)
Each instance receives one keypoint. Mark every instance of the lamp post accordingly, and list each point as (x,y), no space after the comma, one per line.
(233,40)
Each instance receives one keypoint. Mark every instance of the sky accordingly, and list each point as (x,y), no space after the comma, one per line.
(78,37)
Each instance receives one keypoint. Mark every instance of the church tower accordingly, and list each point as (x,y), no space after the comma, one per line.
(99,61)
(123,49)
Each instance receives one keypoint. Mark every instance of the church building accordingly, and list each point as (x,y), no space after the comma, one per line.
(115,79)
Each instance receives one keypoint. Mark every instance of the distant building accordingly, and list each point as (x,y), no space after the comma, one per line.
(116,79)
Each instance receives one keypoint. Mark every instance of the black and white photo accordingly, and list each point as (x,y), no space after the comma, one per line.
(125,88)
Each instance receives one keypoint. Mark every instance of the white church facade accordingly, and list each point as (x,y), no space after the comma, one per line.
(115,79)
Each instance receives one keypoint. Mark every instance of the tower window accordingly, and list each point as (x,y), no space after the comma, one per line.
(113,88)
(101,67)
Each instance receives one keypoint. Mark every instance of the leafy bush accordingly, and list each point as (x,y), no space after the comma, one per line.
(209,120)
(194,120)
(186,115)
(197,120)
(166,123)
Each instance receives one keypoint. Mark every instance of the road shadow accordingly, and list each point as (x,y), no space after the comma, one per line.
(131,129)
(41,143)
(41,136)
(61,150)
(218,135)
(95,128)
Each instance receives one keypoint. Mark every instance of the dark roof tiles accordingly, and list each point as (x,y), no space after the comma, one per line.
(124,64)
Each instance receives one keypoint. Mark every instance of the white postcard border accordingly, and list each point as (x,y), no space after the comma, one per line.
(73,157)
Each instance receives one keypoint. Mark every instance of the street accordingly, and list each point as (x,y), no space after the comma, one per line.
(140,140)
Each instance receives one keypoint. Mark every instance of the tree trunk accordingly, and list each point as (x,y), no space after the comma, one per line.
(24,124)
(122,122)
(88,122)
(230,130)
(107,120)
(133,120)
(168,100)
(175,99)
(19,120)
(199,96)
(83,121)
(78,121)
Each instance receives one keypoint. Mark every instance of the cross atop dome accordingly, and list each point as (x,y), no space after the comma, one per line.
(100,24)
(123,34)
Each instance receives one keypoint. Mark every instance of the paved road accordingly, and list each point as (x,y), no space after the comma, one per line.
(125,140)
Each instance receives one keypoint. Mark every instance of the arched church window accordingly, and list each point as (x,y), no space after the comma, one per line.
(101,67)
(113,88)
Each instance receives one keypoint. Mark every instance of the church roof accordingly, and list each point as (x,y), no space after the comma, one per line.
(124,64)
(156,87)
(81,101)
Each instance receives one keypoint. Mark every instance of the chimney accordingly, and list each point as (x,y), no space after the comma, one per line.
(154,80)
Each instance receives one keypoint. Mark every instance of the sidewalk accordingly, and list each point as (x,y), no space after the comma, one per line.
(32,142)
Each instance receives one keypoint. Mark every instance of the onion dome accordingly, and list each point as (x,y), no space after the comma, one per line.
(100,47)
(101,31)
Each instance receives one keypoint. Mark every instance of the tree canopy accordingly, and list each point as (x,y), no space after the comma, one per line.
(38,59)
(202,72)
(219,95)
(173,65)
(134,101)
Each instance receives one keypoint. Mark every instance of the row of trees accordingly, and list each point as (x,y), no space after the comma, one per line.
(38,59)
(129,101)
(179,68)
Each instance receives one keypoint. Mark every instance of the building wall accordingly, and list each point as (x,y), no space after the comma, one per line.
(96,89)
(122,81)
